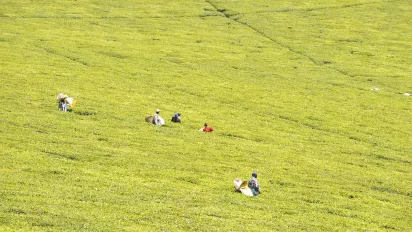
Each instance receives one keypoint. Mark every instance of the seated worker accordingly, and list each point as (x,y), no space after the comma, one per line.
(157,120)
(254,185)
(65,101)
(177,118)
(206,128)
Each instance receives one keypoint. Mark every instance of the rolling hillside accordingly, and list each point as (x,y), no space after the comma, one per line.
(312,95)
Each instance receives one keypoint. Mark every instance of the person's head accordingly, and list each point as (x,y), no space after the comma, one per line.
(205,124)
(178,114)
(254,174)
(157,111)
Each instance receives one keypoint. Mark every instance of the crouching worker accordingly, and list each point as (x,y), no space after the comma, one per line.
(206,128)
(249,188)
(156,119)
(65,101)
(254,185)
(176,118)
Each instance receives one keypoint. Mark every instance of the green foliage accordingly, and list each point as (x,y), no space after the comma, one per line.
(286,85)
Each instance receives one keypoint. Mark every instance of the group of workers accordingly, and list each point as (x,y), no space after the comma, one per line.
(252,188)
(177,118)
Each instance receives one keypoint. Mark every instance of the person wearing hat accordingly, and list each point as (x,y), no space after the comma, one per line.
(254,185)
(157,120)
(65,101)
(206,128)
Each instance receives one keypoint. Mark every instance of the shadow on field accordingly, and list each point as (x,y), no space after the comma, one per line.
(85,113)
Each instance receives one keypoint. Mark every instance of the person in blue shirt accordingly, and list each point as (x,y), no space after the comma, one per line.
(177,118)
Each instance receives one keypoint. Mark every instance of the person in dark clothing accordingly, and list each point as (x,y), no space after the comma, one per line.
(177,118)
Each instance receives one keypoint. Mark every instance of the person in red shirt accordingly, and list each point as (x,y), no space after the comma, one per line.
(206,128)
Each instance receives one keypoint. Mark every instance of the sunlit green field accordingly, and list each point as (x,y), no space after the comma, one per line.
(287,86)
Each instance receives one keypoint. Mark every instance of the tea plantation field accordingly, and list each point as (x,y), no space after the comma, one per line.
(312,95)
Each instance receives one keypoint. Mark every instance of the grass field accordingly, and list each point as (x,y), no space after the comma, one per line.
(287,85)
